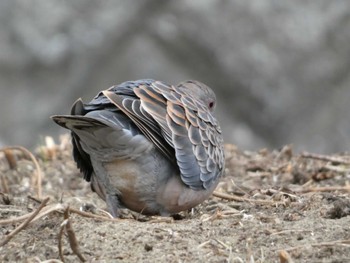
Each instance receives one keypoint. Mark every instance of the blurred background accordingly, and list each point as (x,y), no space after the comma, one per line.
(280,69)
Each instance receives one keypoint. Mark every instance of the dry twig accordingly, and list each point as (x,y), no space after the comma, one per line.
(228,197)
(285,257)
(92,216)
(10,157)
(243,199)
(58,207)
(73,242)
(4,185)
(60,235)
(323,189)
(46,210)
(326,158)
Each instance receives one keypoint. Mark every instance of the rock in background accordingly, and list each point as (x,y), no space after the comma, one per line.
(280,69)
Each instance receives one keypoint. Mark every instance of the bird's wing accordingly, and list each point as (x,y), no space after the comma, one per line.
(168,117)
(90,124)
(131,107)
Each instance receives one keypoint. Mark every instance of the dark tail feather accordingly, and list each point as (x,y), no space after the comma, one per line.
(76,121)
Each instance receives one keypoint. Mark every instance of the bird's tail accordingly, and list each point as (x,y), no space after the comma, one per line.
(76,122)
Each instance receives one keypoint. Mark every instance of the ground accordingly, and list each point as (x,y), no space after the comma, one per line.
(271,206)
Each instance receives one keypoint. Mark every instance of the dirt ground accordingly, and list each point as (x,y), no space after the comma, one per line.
(271,206)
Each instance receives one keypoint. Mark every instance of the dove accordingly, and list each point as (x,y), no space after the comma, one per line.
(148,146)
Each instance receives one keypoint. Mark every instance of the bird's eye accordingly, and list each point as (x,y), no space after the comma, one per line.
(211,105)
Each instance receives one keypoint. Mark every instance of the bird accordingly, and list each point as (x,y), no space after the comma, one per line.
(148,146)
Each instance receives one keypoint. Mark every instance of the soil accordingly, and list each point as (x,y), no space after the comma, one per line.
(271,206)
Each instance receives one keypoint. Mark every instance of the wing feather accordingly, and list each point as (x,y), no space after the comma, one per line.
(175,119)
